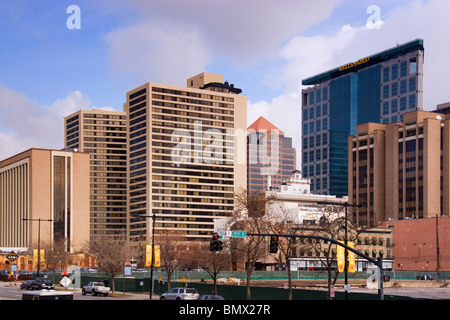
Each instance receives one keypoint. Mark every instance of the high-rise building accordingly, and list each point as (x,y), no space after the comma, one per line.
(103,135)
(271,159)
(50,190)
(380,88)
(400,170)
(187,155)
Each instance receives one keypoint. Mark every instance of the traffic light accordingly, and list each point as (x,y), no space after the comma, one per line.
(273,244)
(215,244)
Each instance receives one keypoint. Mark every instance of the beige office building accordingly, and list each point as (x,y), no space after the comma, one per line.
(187,154)
(102,134)
(401,170)
(47,185)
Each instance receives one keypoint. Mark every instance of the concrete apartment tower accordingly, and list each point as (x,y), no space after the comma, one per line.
(102,134)
(186,155)
(379,88)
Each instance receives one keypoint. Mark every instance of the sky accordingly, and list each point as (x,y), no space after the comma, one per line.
(56,59)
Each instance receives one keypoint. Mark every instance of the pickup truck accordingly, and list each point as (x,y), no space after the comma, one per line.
(95,288)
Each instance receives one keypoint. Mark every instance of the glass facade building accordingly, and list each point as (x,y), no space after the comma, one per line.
(379,88)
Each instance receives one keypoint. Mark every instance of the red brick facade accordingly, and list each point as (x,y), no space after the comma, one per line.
(415,244)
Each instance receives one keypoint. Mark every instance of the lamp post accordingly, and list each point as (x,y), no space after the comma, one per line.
(39,239)
(346,205)
(153,250)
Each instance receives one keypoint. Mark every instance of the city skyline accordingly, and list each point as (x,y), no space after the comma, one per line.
(50,70)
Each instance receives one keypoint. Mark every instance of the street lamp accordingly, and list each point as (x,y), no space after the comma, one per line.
(153,250)
(39,239)
(346,205)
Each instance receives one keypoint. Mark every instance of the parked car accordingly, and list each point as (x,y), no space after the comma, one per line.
(425,277)
(180,294)
(211,297)
(42,283)
(95,288)
(26,285)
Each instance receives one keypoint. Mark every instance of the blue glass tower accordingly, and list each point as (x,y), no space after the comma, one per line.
(379,88)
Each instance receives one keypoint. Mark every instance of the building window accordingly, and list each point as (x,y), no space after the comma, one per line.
(394,106)
(385,107)
(386,74)
(403,69)
(318,95)
(325,94)
(412,84)
(412,66)
(394,89)
(403,87)
(402,103)
(385,91)
(325,109)
(394,71)
(325,124)
(311,113)
(412,101)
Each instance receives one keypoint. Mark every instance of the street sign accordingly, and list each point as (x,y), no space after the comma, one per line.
(12,256)
(238,234)
(65,281)
(221,232)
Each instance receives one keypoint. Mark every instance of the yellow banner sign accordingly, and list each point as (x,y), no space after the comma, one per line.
(341,257)
(351,257)
(148,256)
(41,257)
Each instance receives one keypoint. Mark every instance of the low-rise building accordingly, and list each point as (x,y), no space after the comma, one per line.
(44,197)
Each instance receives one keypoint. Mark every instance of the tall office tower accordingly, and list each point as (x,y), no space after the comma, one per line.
(185,158)
(400,170)
(379,88)
(47,185)
(270,159)
(102,134)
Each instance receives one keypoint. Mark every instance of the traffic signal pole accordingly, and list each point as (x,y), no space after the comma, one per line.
(378,262)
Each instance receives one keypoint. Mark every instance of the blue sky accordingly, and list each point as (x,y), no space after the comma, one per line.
(264,47)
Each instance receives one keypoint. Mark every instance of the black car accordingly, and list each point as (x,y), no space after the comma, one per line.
(42,283)
(26,284)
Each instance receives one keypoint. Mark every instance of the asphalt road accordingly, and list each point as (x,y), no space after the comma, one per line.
(11,291)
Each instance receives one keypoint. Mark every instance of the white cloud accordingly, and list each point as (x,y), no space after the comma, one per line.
(174,40)
(305,56)
(158,53)
(25,124)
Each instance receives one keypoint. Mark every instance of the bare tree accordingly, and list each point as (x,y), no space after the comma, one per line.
(212,262)
(56,253)
(251,217)
(111,252)
(172,249)
(331,225)
(280,222)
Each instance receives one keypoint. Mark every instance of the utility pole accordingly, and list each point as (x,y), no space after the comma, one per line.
(438,262)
